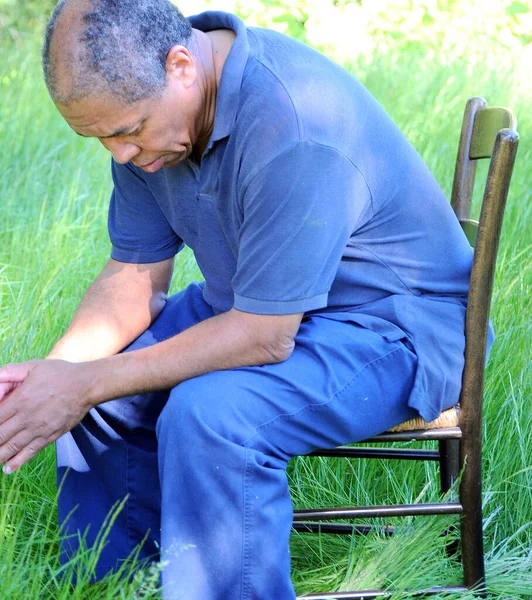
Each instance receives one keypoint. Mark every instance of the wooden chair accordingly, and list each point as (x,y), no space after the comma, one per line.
(487,132)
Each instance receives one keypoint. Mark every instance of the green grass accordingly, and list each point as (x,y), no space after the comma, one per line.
(54,191)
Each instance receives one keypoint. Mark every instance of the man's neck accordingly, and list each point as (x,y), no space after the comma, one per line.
(213,49)
(222,42)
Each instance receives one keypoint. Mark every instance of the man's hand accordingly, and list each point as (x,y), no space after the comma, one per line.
(39,401)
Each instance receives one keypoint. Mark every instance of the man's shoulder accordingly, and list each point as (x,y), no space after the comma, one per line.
(286,81)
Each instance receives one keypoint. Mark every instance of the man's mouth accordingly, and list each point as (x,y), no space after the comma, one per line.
(153,166)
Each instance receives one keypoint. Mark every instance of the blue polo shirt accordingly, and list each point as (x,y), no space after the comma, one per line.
(308,199)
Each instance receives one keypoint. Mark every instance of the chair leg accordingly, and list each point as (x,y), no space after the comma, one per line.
(471,500)
(471,527)
(449,471)
(449,463)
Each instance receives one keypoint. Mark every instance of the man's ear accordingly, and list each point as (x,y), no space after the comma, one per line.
(181,65)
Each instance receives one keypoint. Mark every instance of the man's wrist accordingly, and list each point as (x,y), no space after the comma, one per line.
(111,377)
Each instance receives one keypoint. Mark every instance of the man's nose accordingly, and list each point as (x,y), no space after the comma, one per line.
(121,150)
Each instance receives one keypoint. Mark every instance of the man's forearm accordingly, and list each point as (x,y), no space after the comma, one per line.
(227,341)
(41,400)
(119,305)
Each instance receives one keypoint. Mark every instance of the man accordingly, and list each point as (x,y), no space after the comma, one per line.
(333,304)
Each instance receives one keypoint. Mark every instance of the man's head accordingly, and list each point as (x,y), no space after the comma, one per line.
(116,47)
(123,71)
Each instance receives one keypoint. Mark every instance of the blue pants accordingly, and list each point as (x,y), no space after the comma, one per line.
(204,465)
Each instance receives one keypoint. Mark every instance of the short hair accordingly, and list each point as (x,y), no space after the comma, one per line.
(123,45)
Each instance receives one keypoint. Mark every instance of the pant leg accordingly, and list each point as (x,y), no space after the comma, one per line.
(112,454)
(224,442)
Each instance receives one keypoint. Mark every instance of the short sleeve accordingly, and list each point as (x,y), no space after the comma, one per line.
(299,213)
(139,231)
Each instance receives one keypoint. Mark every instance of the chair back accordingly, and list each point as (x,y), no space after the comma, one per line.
(477,138)
(487,132)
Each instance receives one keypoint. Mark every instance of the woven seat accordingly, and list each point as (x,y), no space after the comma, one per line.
(487,132)
(448,418)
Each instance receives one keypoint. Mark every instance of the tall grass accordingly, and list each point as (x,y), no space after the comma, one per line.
(54,190)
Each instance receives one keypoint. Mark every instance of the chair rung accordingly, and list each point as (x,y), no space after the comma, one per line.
(395,453)
(372,594)
(444,433)
(341,528)
(398,510)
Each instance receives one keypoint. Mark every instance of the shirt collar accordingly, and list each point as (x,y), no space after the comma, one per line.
(227,100)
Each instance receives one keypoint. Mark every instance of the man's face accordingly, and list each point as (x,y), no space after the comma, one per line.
(151,133)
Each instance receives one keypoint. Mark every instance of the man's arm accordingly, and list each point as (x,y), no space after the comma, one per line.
(44,399)
(121,303)
(230,340)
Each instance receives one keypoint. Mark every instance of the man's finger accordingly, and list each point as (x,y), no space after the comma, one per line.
(14,445)
(8,431)
(14,373)
(26,454)
(7,410)
(5,389)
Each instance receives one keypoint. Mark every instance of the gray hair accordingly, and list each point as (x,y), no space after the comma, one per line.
(122,49)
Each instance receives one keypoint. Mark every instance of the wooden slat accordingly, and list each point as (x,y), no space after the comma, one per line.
(373,594)
(394,510)
(393,453)
(488,122)
(470,228)
(341,528)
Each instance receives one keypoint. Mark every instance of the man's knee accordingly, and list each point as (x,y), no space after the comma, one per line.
(212,404)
